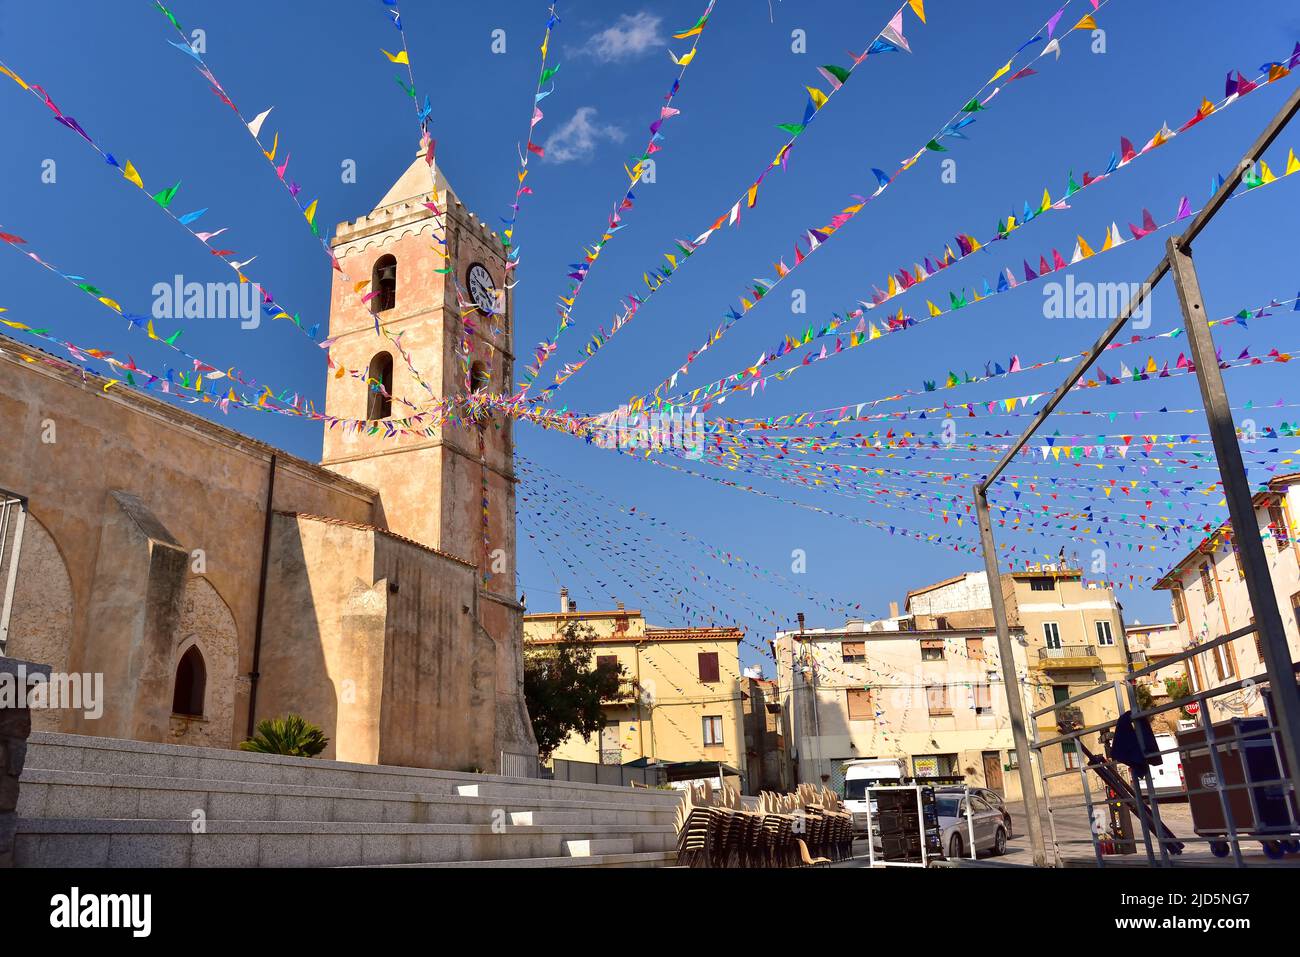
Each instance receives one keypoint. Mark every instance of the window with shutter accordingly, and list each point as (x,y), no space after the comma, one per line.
(932,649)
(936,697)
(854,650)
(975,649)
(982,697)
(859,704)
(708,667)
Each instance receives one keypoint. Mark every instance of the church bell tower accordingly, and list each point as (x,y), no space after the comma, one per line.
(447,484)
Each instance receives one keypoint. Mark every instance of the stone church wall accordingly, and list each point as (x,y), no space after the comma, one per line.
(68,447)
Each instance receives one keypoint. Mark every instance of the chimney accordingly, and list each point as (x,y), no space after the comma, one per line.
(564,600)
(800,617)
(893,609)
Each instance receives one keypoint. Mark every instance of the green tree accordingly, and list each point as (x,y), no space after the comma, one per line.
(292,735)
(1178,688)
(1145,699)
(564,690)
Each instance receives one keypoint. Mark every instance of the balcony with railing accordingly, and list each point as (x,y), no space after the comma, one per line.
(1069,656)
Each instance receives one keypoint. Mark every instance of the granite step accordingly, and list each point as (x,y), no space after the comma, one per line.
(587,847)
(69,752)
(101,842)
(84,794)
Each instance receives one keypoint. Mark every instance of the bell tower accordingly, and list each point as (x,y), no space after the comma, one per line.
(445,481)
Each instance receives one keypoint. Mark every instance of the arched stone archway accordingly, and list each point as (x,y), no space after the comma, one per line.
(206,623)
(40,625)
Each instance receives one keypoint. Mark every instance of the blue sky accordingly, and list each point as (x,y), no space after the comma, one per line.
(319,65)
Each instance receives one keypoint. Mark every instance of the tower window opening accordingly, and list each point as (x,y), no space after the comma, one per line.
(383,282)
(379,382)
(478,377)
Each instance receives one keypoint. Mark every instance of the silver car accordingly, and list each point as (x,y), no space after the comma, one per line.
(985,820)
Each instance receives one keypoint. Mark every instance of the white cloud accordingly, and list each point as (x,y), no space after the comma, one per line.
(632,35)
(578,138)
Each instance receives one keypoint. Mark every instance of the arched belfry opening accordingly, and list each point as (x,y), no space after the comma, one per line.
(383,283)
(379,382)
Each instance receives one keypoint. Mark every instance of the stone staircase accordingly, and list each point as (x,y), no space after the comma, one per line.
(104,802)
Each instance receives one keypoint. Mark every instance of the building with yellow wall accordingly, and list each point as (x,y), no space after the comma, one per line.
(681,695)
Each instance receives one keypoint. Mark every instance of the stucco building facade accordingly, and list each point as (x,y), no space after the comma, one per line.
(1208,598)
(681,696)
(214,580)
(927,685)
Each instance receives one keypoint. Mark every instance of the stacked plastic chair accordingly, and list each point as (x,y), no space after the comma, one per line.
(808,828)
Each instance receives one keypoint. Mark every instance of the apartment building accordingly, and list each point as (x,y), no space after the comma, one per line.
(927,685)
(765,755)
(1208,597)
(682,690)
(889,689)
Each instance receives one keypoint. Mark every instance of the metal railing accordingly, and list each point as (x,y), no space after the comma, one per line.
(13,517)
(1067,651)
(1232,787)
(515,765)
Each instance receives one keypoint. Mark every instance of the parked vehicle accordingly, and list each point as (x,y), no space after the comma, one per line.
(858,775)
(990,831)
(994,799)
(1167,777)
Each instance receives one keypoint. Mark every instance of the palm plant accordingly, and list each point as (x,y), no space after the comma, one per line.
(292,735)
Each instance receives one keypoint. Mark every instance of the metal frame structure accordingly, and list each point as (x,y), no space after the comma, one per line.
(11,504)
(1162,850)
(1277,656)
(920,813)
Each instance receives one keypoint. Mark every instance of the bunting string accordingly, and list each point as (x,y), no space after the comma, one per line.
(581,271)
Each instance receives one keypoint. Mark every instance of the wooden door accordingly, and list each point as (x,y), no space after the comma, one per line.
(993,771)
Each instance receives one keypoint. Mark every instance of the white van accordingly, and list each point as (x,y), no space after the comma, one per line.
(857,775)
(1167,777)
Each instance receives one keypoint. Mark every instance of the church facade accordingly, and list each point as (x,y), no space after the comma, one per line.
(214,581)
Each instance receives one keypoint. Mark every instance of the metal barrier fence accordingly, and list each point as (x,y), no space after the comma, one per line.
(585,772)
(13,516)
(1234,782)
(519,765)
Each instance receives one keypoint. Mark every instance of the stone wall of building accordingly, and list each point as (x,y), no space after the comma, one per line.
(126,492)
(40,627)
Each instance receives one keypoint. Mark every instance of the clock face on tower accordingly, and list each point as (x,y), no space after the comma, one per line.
(481,288)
